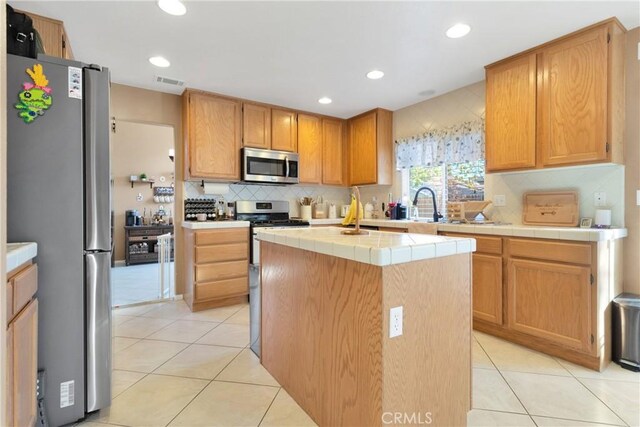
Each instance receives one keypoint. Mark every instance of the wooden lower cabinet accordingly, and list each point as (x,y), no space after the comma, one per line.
(217,267)
(551,301)
(487,288)
(553,296)
(22,346)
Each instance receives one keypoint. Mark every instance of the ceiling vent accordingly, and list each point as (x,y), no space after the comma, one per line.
(168,81)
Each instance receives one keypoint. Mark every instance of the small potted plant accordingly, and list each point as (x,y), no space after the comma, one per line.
(143,177)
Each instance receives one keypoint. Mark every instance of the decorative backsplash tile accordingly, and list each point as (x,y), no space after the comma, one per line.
(585,179)
(290,193)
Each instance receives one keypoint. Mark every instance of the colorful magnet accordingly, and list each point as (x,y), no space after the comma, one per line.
(36,97)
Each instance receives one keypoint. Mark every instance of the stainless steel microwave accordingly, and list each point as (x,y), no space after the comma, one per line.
(269,167)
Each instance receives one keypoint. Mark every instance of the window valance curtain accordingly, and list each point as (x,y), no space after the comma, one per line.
(456,144)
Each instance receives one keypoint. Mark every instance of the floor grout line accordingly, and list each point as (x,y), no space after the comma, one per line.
(505,380)
(269,407)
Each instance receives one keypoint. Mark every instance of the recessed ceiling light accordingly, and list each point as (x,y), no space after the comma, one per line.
(458,30)
(325,100)
(375,74)
(159,61)
(172,7)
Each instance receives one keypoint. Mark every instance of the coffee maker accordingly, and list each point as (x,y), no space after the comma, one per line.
(131,217)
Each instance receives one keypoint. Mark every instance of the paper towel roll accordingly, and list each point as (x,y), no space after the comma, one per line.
(603,217)
(216,188)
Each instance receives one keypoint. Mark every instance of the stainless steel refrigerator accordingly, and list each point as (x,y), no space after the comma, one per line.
(58,195)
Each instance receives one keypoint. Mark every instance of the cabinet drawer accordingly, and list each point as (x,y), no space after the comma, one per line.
(221,271)
(147,232)
(9,301)
(25,285)
(222,288)
(484,244)
(219,237)
(218,253)
(575,253)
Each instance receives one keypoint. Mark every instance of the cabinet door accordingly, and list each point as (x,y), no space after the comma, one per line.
(25,365)
(256,126)
(284,133)
(9,381)
(511,115)
(333,151)
(50,32)
(363,157)
(487,288)
(574,100)
(551,301)
(214,137)
(310,149)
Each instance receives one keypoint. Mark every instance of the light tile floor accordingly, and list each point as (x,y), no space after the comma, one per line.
(173,367)
(135,283)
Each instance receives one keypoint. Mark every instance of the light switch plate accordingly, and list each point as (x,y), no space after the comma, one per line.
(499,200)
(638,197)
(395,322)
(600,199)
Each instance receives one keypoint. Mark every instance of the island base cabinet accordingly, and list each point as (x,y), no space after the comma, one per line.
(552,301)
(325,338)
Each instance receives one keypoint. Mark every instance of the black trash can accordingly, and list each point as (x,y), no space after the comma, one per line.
(626,331)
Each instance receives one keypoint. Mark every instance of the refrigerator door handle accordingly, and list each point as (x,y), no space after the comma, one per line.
(98,329)
(97,160)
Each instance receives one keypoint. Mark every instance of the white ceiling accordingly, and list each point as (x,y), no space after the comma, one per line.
(292,53)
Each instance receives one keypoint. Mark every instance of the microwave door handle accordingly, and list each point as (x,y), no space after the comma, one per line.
(286,162)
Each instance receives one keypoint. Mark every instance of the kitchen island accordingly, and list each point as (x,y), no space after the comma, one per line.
(326,324)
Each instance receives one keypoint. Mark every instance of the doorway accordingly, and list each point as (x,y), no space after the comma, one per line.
(143,197)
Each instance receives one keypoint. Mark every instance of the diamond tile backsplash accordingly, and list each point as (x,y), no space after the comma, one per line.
(585,179)
(291,193)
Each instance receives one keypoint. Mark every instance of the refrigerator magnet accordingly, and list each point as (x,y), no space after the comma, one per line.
(75,82)
(35,97)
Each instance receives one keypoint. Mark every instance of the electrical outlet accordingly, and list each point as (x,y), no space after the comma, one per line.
(638,197)
(600,199)
(139,197)
(395,322)
(499,200)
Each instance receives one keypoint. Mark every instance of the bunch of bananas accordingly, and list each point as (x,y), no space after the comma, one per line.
(350,218)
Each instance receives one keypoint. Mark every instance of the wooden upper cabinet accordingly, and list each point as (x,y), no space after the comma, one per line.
(574,100)
(256,126)
(371,148)
(333,152)
(551,301)
(212,130)
(310,149)
(53,35)
(511,115)
(284,133)
(561,103)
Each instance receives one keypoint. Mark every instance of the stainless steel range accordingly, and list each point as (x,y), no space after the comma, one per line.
(261,214)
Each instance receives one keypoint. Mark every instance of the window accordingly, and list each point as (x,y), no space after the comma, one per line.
(464,181)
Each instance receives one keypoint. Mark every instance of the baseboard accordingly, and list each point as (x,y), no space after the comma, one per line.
(120,263)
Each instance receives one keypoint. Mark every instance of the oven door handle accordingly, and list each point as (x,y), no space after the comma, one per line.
(286,162)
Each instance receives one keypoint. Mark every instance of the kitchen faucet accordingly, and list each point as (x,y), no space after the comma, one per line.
(436,215)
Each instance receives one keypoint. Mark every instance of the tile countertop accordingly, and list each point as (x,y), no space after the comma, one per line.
(560,233)
(377,248)
(19,253)
(206,225)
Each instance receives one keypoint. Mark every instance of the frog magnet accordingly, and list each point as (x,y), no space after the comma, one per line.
(36,97)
